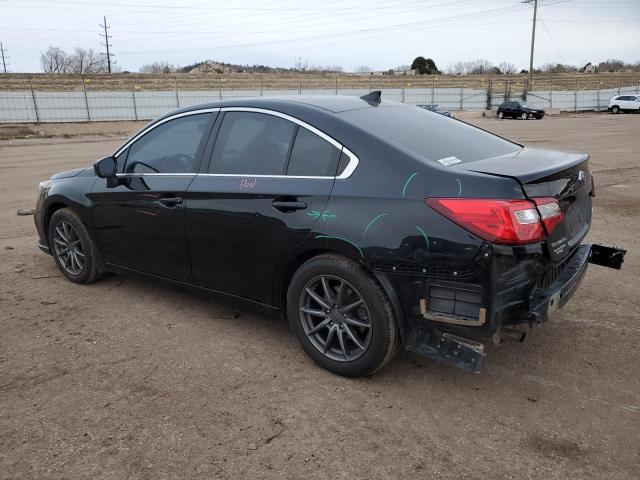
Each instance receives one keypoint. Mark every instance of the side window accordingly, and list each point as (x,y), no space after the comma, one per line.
(251,143)
(312,156)
(169,148)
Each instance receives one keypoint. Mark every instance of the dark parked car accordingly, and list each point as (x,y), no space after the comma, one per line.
(519,110)
(433,107)
(371,225)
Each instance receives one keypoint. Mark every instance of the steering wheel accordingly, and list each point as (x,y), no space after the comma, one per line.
(178,163)
(133,167)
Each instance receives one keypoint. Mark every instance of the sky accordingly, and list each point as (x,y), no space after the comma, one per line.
(348,33)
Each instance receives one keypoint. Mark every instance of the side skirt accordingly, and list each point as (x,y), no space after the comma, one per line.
(232,301)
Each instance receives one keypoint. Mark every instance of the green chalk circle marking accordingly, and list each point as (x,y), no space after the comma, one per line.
(425,236)
(404,189)
(376,218)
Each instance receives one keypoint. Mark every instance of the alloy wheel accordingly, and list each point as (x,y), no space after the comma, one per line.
(68,248)
(335,318)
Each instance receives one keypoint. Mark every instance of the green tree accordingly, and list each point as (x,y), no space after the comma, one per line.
(424,66)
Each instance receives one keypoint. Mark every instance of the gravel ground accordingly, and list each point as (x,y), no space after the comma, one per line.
(128,379)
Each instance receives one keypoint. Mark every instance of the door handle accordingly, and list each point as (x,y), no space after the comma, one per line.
(170,201)
(284,206)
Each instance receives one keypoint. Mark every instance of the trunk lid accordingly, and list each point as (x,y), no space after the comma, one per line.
(549,173)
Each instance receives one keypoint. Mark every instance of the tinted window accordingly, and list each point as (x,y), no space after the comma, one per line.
(169,148)
(430,135)
(251,143)
(312,156)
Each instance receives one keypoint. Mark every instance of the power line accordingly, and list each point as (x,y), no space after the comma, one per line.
(4,58)
(106,43)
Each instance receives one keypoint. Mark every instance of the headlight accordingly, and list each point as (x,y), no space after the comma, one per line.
(44,184)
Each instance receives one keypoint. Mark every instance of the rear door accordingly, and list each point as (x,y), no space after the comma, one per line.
(139,218)
(266,184)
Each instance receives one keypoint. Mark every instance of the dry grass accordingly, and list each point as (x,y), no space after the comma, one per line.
(308,81)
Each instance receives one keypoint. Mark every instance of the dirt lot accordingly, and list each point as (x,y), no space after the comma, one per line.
(125,379)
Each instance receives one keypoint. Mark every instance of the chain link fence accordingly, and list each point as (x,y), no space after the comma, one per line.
(53,98)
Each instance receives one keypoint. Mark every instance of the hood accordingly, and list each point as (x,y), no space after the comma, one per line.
(68,173)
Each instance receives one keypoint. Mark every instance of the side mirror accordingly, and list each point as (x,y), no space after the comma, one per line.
(106,167)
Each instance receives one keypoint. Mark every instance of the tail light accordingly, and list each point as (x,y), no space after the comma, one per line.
(510,222)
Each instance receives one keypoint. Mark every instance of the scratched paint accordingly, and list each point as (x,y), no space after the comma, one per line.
(375,219)
(344,240)
(325,215)
(406,184)
(459,186)
(425,236)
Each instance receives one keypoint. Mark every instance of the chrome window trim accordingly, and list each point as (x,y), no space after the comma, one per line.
(349,169)
(346,173)
(151,174)
(157,124)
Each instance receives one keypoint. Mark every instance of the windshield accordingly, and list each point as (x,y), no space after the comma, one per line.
(431,135)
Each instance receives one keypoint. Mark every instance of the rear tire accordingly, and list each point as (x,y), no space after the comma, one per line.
(346,340)
(72,248)
(615,109)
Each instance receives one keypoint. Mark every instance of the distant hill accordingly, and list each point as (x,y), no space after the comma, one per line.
(212,66)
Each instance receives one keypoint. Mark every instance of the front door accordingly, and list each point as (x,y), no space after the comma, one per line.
(267,183)
(139,218)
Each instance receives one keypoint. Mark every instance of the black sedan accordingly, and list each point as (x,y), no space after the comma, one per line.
(519,110)
(370,225)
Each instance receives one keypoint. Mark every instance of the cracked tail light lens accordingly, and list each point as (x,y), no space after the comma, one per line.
(509,222)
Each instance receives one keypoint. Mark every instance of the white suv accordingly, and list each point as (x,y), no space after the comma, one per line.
(624,103)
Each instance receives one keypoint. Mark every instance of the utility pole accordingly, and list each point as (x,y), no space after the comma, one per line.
(533,40)
(106,43)
(4,61)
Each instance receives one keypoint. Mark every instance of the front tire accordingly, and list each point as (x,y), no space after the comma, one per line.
(615,109)
(72,248)
(341,316)
(500,115)
(524,116)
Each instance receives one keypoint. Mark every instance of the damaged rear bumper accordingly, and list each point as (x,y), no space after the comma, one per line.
(546,301)
(460,346)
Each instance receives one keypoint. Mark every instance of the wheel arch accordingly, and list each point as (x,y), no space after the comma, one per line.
(295,262)
(52,208)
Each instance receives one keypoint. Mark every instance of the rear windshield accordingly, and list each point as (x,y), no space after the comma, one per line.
(431,135)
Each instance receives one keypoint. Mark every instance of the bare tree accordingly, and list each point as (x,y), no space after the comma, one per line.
(87,61)
(362,69)
(158,67)
(480,67)
(507,68)
(558,68)
(55,60)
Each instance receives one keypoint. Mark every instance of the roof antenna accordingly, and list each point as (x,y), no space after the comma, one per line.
(374,98)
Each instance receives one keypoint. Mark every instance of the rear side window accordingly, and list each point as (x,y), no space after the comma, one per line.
(430,135)
(250,143)
(169,148)
(312,156)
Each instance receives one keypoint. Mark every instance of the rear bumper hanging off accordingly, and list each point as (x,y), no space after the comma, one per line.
(469,354)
